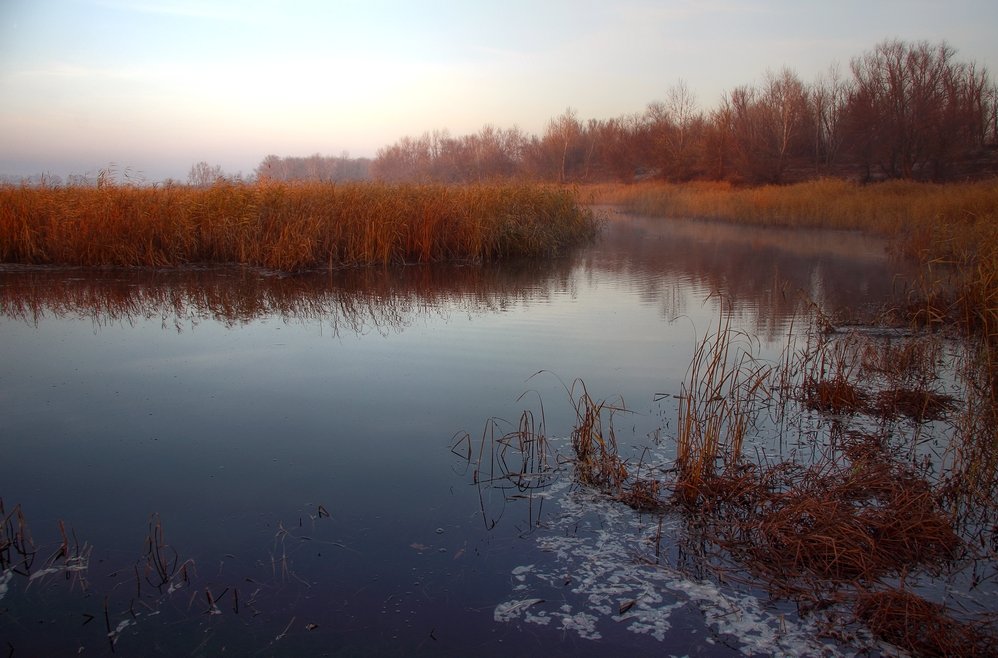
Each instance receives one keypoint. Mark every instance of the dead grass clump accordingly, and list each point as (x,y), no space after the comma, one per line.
(643,494)
(836,396)
(920,626)
(919,405)
(839,521)
(597,461)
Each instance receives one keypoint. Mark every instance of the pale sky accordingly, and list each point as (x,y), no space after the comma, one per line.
(156,85)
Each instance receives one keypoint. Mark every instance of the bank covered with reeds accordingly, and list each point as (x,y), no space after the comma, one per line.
(950,230)
(287,226)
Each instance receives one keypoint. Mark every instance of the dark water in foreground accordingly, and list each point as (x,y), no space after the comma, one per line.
(233,409)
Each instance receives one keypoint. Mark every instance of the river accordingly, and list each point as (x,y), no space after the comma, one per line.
(256,462)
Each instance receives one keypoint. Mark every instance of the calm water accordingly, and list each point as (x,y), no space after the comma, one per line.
(235,408)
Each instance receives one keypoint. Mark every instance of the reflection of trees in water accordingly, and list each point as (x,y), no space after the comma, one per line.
(358,300)
(765,273)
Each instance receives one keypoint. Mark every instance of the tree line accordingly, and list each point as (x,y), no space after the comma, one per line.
(903,110)
(315,167)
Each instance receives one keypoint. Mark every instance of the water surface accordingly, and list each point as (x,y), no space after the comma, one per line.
(235,408)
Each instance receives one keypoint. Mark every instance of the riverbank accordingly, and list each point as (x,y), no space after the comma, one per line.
(949,231)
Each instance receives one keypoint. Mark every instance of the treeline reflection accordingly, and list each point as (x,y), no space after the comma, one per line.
(765,274)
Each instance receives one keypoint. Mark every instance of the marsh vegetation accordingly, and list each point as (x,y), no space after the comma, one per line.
(286,226)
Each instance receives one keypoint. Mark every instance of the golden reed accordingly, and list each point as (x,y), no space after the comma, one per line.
(287,226)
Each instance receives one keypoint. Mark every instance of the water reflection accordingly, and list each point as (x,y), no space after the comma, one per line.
(233,403)
(358,300)
(763,273)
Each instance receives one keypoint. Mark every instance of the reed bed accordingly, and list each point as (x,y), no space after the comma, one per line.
(829,203)
(287,226)
(831,529)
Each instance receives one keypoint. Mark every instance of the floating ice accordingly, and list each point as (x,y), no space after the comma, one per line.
(512,609)
(596,541)
(5,578)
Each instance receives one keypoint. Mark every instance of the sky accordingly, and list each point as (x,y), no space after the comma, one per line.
(154,86)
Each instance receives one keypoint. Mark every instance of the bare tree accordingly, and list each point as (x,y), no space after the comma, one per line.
(785,115)
(684,128)
(829,96)
(914,108)
(561,138)
(204,175)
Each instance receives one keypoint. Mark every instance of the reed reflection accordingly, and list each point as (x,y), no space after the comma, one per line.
(356,300)
(764,273)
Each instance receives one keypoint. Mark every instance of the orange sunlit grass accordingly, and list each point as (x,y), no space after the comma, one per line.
(287,226)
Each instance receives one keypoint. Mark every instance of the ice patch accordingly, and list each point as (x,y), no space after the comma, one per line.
(35,575)
(5,578)
(597,542)
(511,609)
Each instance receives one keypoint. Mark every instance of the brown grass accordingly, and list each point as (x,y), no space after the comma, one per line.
(823,533)
(831,203)
(906,360)
(594,441)
(723,384)
(836,395)
(286,226)
(922,627)
(920,405)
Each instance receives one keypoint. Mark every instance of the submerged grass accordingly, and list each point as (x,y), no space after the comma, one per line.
(921,627)
(287,226)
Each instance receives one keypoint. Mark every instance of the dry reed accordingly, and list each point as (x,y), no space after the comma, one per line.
(922,627)
(717,400)
(17,547)
(515,464)
(823,533)
(594,441)
(287,226)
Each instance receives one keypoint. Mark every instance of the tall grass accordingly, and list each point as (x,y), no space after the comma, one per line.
(287,226)
(723,387)
(885,208)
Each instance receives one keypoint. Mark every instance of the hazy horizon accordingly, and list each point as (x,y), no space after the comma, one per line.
(155,86)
